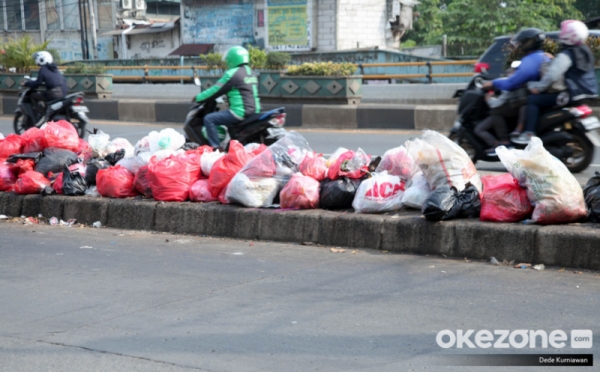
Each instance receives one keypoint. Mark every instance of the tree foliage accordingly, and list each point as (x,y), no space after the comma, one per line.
(589,8)
(17,53)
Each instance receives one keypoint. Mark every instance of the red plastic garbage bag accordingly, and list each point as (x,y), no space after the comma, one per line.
(22,166)
(192,158)
(301,192)
(57,185)
(262,147)
(199,192)
(31,182)
(61,134)
(226,167)
(170,178)
(314,166)
(12,144)
(7,177)
(349,164)
(263,165)
(115,182)
(142,182)
(503,200)
(85,151)
(33,140)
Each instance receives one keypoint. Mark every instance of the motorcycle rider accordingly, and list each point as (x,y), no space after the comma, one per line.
(576,63)
(241,87)
(48,75)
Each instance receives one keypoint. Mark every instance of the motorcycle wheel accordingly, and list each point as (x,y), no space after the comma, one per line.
(465,145)
(583,152)
(21,123)
(79,125)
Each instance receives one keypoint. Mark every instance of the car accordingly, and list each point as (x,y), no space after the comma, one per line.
(493,60)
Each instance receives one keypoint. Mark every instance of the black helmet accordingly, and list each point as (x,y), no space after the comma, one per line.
(529,40)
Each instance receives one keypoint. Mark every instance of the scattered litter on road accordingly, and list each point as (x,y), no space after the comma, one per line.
(354,252)
(443,272)
(68,223)
(494,261)
(97,224)
(337,250)
(431,267)
(86,247)
(238,253)
(539,267)
(522,266)
(308,243)
(183,241)
(578,272)
(31,221)
(3,217)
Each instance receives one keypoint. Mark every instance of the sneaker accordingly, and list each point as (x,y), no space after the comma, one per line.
(491,152)
(523,139)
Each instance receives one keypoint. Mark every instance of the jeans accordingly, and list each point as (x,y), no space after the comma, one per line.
(535,104)
(211,121)
(498,124)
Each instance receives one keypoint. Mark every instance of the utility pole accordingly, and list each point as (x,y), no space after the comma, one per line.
(84,51)
(94,39)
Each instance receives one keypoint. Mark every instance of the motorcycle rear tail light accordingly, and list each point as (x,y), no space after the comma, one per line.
(481,67)
(278,121)
(78,100)
(582,111)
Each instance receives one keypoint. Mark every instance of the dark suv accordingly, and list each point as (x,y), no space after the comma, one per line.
(493,59)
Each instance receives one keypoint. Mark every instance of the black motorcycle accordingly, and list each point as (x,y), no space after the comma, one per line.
(266,128)
(569,133)
(69,108)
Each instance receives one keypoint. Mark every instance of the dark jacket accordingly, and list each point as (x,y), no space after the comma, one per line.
(580,78)
(51,78)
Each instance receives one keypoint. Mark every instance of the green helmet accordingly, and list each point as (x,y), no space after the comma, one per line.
(236,56)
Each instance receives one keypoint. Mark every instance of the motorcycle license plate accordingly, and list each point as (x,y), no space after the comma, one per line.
(590,123)
(276,132)
(80,109)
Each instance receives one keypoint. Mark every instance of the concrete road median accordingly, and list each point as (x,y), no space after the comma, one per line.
(574,245)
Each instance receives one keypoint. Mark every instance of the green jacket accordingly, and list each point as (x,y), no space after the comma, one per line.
(241,87)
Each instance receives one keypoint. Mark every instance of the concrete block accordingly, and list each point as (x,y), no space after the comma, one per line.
(103,109)
(182,218)
(435,117)
(137,110)
(413,234)
(568,245)
(87,210)
(32,205)
(136,214)
(172,112)
(351,230)
(482,240)
(52,206)
(231,221)
(294,226)
(10,204)
(385,117)
(334,117)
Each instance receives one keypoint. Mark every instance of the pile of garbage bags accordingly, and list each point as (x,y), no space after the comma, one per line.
(430,173)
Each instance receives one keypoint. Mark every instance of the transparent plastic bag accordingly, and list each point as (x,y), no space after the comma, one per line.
(166,139)
(380,193)
(98,142)
(552,189)
(503,200)
(349,164)
(417,191)
(442,161)
(335,155)
(398,162)
(141,146)
(301,192)
(135,163)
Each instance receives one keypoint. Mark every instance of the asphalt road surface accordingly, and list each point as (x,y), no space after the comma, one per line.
(83,299)
(374,142)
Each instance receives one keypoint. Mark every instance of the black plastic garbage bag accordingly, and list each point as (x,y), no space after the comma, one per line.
(439,203)
(48,190)
(55,160)
(591,192)
(115,156)
(338,194)
(93,166)
(445,203)
(73,183)
(189,146)
(36,156)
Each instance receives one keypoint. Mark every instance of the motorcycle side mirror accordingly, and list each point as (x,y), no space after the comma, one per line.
(515,64)
(197,81)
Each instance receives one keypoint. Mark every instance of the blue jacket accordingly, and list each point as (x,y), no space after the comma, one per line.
(50,77)
(528,70)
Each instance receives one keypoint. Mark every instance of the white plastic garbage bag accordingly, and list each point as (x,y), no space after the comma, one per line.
(142,145)
(98,142)
(163,154)
(92,191)
(417,191)
(208,160)
(380,193)
(1,136)
(253,193)
(135,163)
(551,188)
(443,162)
(166,139)
(120,144)
(251,147)
(399,163)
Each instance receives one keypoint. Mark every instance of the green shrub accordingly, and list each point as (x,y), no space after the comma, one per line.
(17,53)
(81,68)
(277,60)
(214,61)
(322,69)
(258,57)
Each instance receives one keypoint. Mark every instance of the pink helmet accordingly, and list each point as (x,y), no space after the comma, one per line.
(573,32)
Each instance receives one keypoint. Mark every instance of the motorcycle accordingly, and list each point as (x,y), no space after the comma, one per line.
(69,108)
(569,132)
(266,128)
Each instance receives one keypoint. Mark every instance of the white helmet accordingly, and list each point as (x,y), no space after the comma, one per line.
(573,32)
(42,58)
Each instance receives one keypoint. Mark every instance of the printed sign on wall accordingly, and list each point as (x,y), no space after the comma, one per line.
(218,22)
(289,24)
